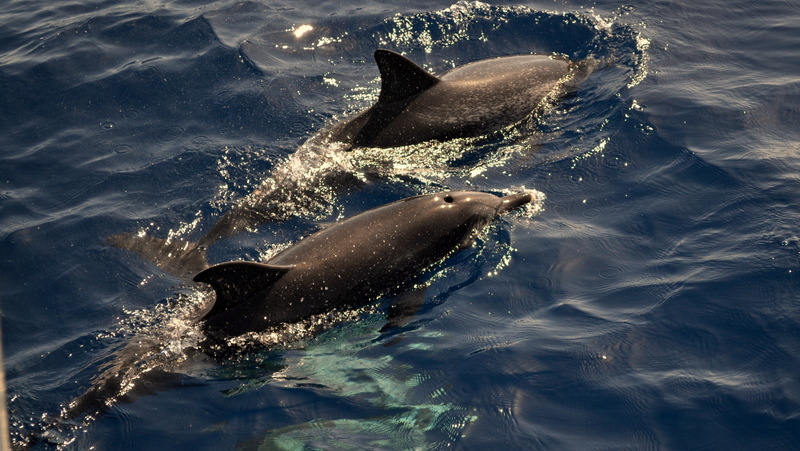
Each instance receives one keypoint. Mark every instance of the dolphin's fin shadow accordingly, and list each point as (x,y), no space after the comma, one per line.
(176,257)
(400,313)
(404,308)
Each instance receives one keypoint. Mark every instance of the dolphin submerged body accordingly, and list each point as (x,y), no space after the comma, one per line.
(415,106)
(349,264)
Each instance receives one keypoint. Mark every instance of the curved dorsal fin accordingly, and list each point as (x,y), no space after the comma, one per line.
(235,282)
(400,77)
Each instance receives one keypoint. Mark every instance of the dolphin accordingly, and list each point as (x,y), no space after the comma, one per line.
(415,106)
(346,265)
(350,263)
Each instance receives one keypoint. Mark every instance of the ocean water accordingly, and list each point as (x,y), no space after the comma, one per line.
(652,302)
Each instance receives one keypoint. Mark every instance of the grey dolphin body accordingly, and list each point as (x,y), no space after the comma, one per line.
(471,100)
(350,263)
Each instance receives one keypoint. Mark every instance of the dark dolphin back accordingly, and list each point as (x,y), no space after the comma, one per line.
(348,264)
(468,101)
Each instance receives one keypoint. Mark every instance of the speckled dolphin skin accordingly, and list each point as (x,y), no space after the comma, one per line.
(350,263)
(415,106)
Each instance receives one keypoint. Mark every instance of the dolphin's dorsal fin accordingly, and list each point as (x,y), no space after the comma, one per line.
(401,78)
(235,282)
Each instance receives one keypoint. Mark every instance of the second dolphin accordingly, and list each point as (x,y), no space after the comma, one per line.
(351,263)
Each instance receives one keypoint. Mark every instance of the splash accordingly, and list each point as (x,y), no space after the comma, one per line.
(158,342)
(532,209)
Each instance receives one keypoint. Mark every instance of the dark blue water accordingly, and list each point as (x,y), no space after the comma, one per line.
(653,304)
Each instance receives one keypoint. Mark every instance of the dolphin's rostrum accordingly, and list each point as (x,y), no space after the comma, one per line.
(349,264)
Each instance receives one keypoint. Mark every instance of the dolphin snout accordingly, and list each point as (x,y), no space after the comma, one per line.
(514,201)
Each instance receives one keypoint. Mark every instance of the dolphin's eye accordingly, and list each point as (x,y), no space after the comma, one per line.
(449,199)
